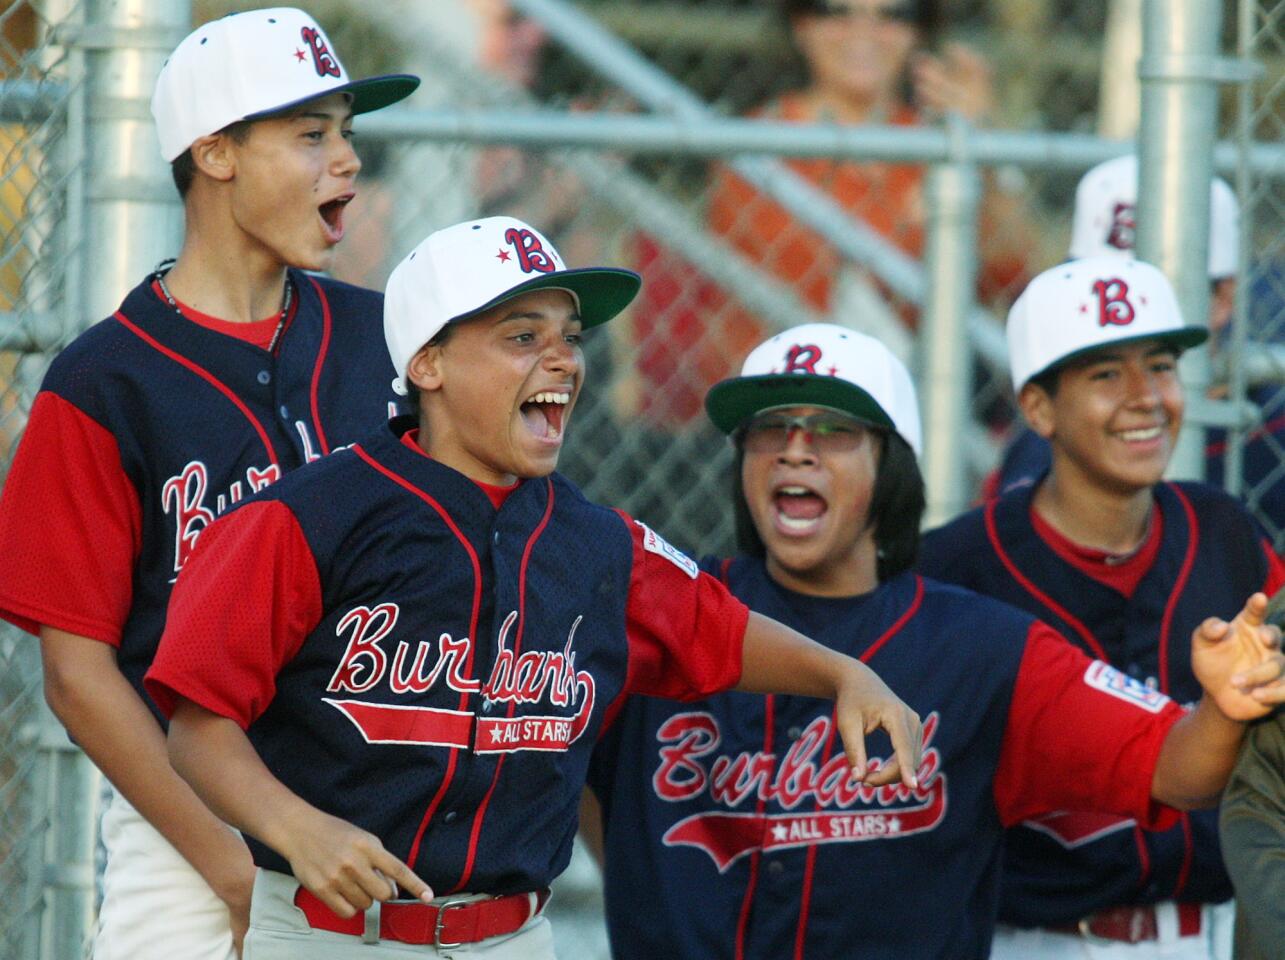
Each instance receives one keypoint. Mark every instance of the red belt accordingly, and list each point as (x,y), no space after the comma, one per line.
(1132,924)
(444,925)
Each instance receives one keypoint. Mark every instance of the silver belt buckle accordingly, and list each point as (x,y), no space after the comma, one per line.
(440,923)
(1085,931)
(370,933)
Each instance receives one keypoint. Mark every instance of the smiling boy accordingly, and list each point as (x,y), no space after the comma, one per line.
(1124,565)
(209,382)
(420,667)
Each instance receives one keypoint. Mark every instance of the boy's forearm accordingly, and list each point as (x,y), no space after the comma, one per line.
(213,754)
(107,718)
(776,659)
(1197,758)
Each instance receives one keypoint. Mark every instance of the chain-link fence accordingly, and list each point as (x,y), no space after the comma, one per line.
(620,167)
(40,171)
(1257,458)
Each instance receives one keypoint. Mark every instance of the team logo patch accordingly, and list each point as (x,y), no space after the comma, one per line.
(1114,307)
(835,809)
(532,257)
(1111,681)
(654,543)
(322,59)
(1122,232)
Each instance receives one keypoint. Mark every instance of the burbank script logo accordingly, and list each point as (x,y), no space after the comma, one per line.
(531,677)
(842,810)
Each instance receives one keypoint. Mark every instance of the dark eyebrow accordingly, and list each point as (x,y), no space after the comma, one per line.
(320,115)
(534,315)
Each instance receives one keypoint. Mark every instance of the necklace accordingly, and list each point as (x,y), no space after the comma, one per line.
(160,272)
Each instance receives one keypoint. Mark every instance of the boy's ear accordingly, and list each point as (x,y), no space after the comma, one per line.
(214,156)
(425,368)
(1037,407)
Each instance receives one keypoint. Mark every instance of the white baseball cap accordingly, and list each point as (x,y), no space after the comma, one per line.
(1105,201)
(1086,304)
(821,365)
(246,66)
(463,270)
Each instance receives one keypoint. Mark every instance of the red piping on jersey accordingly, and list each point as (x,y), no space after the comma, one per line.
(992,534)
(808,871)
(517,649)
(742,922)
(1179,585)
(1185,872)
(321,360)
(1144,858)
(205,375)
(472,632)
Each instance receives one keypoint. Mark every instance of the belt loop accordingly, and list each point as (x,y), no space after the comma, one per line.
(371,932)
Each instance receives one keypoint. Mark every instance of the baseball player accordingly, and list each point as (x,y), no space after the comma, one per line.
(427,631)
(731,812)
(1103,225)
(1125,566)
(209,382)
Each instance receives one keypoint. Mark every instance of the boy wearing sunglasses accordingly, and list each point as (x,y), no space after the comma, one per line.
(1125,565)
(733,813)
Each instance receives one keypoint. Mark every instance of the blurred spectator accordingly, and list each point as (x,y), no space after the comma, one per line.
(867,61)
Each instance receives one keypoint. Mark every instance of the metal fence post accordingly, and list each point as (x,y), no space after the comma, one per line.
(1180,70)
(130,218)
(951,195)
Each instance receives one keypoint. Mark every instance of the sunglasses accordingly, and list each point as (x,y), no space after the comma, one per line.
(824,432)
(904,12)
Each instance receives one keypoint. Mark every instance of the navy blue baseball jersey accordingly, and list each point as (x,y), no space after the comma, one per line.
(732,829)
(1203,557)
(407,657)
(147,427)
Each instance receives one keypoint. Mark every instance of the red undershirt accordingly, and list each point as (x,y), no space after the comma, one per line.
(497,495)
(1120,574)
(257,332)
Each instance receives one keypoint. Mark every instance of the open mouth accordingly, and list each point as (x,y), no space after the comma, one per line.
(544,414)
(798,508)
(332,215)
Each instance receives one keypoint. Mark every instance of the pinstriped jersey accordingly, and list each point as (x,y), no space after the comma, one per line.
(1209,559)
(407,657)
(735,815)
(147,427)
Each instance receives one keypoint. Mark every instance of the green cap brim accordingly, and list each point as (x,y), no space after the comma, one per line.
(602,291)
(372,93)
(731,402)
(1182,339)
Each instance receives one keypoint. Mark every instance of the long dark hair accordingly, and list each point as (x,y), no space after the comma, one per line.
(896,508)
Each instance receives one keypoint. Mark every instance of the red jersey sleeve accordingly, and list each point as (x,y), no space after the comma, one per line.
(1080,736)
(244,603)
(1275,570)
(685,629)
(70,527)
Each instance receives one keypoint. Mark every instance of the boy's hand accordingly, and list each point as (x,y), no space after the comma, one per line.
(864,703)
(347,868)
(1240,663)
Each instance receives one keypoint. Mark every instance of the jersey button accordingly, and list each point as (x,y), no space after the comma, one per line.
(775,867)
(264,377)
(495,537)
(285,413)
(450,816)
(486,705)
(794,733)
